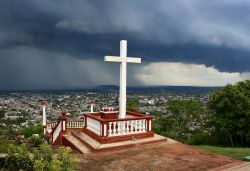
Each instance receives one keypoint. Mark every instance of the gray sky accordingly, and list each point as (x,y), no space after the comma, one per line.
(61,44)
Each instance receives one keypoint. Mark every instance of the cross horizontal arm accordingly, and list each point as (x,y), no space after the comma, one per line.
(119,59)
(112,58)
(133,60)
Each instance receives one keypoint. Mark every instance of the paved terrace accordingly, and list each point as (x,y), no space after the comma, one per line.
(162,156)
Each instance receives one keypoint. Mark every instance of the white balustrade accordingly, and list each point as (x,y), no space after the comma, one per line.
(75,124)
(94,126)
(57,131)
(50,126)
(127,127)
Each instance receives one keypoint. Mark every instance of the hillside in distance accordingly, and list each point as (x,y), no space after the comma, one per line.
(193,89)
(130,89)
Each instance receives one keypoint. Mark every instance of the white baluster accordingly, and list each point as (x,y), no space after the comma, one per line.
(149,125)
(118,128)
(124,127)
(136,124)
(132,127)
(139,125)
(115,128)
(105,130)
(121,126)
(144,125)
(127,126)
(100,132)
(110,129)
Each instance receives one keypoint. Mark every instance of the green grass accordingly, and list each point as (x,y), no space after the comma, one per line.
(237,153)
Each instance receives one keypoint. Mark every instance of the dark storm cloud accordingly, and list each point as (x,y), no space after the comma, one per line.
(39,34)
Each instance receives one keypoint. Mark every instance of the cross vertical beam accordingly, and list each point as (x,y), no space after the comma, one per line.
(123,79)
(123,59)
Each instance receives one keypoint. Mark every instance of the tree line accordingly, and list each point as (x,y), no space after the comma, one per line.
(224,120)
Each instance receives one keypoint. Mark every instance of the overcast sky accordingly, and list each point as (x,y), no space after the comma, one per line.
(61,43)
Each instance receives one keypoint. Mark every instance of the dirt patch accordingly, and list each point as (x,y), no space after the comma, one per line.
(154,157)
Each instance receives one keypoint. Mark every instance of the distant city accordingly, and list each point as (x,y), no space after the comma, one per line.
(24,107)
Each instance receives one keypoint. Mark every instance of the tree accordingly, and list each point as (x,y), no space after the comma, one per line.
(133,104)
(32,129)
(184,116)
(230,112)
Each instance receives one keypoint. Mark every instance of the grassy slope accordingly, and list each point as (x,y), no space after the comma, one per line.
(237,153)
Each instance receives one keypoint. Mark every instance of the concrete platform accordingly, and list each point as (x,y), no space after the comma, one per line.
(96,146)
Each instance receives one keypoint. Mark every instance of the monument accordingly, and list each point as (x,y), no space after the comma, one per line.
(107,128)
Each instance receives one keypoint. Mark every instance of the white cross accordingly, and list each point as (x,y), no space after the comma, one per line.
(123,59)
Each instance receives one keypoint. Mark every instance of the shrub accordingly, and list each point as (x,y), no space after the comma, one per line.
(198,138)
(42,157)
(68,163)
(18,158)
(35,141)
(44,160)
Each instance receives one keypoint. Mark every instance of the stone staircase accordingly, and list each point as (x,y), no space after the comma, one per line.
(87,140)
(85,144)
(77,144)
